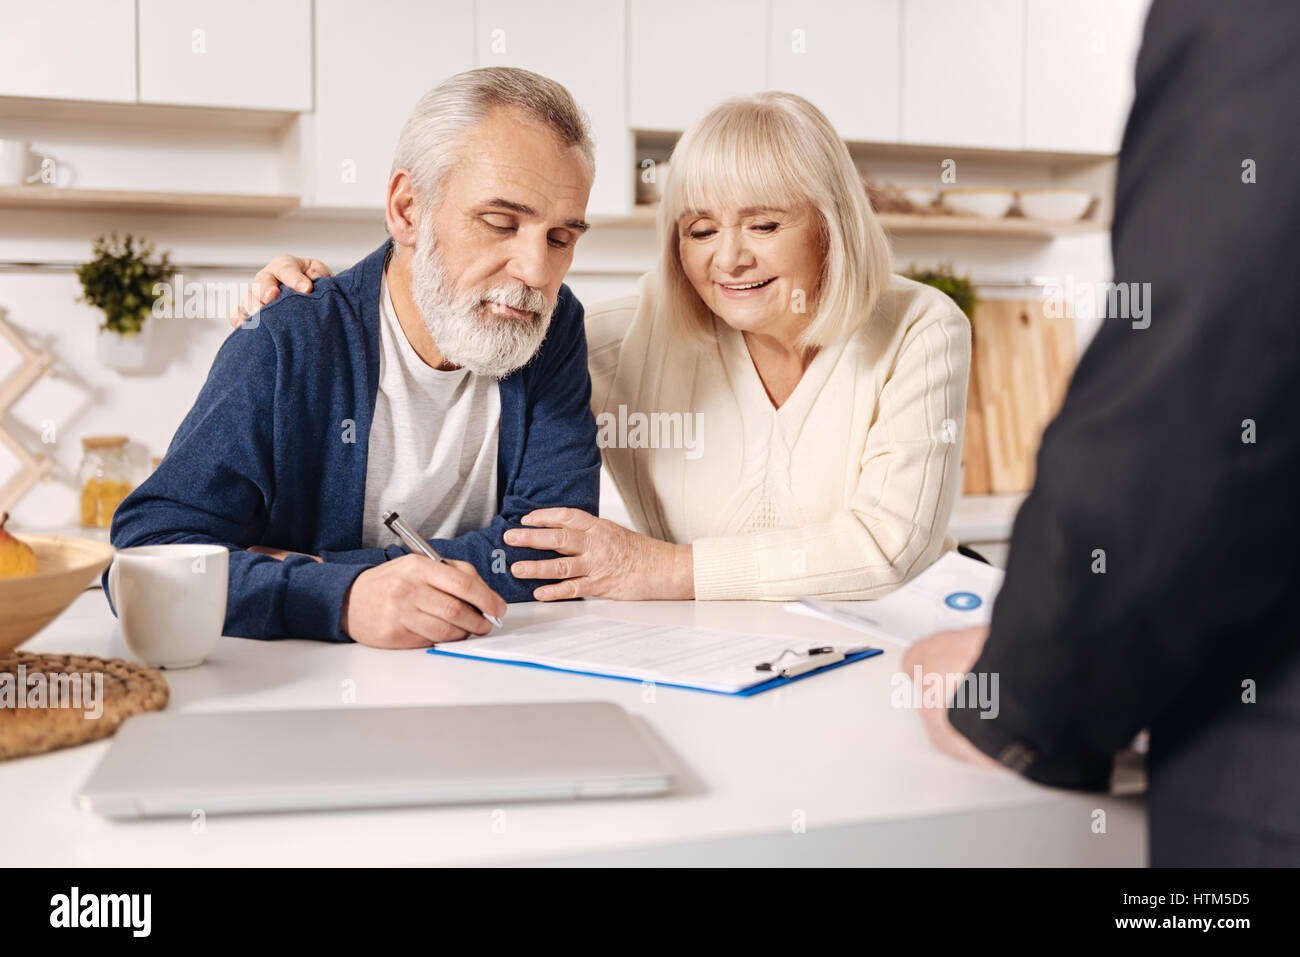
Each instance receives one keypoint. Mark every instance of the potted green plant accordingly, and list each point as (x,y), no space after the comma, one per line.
(121,280)
(957,288)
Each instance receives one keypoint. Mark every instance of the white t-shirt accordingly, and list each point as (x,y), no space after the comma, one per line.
(433,442)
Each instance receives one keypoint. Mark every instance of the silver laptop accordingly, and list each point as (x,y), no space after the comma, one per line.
(168,764)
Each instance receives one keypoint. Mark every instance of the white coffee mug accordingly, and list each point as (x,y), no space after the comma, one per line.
(15,159)
(170,601)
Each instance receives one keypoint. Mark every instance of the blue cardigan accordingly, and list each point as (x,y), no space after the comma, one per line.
(274,453)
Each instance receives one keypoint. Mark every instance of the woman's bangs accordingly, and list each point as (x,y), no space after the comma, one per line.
(736,165)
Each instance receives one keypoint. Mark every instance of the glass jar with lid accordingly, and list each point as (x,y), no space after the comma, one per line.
(104,478)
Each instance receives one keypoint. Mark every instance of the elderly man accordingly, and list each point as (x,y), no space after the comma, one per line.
(444,376)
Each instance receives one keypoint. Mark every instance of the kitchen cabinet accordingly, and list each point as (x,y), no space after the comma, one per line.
(844,57)
(586,51)
(963,72)
(230,53)
(1079,63)
(69,49)
(684,56)
(361,105)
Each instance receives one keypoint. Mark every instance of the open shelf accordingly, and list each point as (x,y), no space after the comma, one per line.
(21,110)
(125,200)
(937,167)
(661,142)
(941,225)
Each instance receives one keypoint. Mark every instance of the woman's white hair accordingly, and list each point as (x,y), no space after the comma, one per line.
(775,150)
(432,136)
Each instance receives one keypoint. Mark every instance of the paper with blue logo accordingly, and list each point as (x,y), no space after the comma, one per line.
(954,592)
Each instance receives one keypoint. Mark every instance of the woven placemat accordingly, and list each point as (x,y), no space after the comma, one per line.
(57,708)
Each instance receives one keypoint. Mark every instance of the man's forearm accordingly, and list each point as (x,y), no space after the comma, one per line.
(1008,736)
(294,597)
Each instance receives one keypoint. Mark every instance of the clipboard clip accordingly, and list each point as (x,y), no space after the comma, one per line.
(798,664)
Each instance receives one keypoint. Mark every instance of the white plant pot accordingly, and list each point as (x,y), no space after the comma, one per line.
(124,353)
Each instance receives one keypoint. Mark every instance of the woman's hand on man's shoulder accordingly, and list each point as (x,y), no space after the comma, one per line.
(295,272)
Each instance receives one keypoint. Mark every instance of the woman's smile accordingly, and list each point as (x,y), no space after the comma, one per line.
(745,290)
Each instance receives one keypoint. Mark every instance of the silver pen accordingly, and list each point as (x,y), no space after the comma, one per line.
(414,543)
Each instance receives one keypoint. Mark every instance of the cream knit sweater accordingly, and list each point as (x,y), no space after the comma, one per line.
(843,492)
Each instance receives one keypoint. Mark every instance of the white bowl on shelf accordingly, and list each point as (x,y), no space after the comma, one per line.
(922,196)
(984,203)
(1055,205)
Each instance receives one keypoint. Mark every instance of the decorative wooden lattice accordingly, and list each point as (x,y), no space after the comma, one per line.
(32,468)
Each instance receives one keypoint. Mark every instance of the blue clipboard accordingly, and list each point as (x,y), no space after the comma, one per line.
(743,693)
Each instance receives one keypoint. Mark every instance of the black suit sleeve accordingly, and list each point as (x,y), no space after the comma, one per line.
(1174,459)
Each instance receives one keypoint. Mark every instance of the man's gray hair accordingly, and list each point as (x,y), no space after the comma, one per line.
(436,128)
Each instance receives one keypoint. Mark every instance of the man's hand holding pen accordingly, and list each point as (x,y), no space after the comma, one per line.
(414,601)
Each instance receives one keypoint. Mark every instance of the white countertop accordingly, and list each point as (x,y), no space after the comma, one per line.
(984,518)
(975,518)
(829,753)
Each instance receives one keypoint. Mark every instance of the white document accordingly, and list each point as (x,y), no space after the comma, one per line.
(954,592)
(665,654)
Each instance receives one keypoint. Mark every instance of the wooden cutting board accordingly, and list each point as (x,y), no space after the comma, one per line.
(1021,363)
(974,453)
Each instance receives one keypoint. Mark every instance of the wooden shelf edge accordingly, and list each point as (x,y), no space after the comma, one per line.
(142,201)
(663,140)
(128,114)
(1010,226)
(938,224)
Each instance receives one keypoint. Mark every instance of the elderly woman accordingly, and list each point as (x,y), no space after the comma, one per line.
(781,415)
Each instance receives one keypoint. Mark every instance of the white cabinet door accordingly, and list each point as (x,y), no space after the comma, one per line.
(584,49)
(686,55)
(1079,62)
(368,78)
(68,49)
(252,54)
(843,56)
(962,72)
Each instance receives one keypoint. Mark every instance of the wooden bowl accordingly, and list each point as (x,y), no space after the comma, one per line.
(64,567)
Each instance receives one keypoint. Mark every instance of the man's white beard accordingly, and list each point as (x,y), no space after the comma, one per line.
(464,331)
